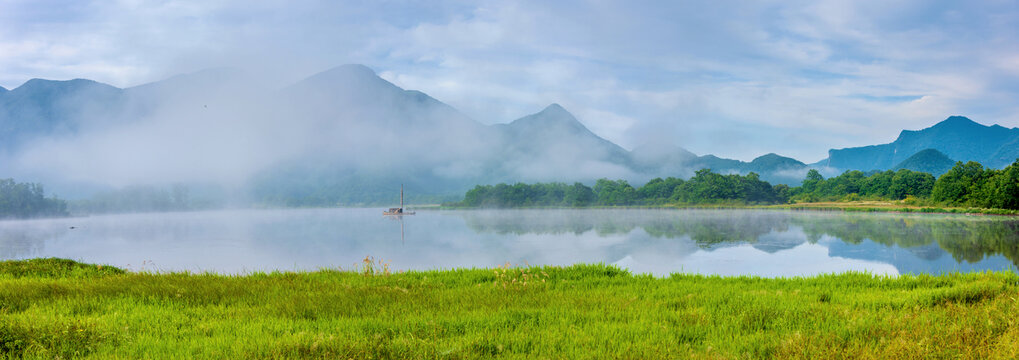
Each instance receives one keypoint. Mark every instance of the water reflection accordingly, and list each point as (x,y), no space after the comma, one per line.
(968,239)
(768,243)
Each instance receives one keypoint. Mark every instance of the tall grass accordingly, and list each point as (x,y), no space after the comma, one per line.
(61,309)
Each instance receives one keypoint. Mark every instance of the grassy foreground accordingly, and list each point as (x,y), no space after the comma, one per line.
(52,308)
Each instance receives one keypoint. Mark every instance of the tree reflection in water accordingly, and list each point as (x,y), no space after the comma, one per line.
(966,238)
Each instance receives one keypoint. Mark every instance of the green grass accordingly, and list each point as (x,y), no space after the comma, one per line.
(51,308)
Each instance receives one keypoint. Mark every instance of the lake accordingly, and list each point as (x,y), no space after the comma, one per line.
(725,242)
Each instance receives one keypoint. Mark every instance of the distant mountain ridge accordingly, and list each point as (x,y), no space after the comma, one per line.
(369,135)
(957,137)
(676,160)
(43,107)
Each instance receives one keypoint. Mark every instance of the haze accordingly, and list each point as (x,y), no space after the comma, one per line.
(735,80)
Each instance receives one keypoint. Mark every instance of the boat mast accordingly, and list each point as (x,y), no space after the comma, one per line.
(401,196)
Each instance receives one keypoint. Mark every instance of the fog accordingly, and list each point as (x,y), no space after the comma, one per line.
(228,128)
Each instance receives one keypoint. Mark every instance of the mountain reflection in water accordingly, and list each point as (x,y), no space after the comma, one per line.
(968,239)
(729,242)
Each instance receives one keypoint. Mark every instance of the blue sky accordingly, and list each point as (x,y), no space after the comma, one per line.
(736,79)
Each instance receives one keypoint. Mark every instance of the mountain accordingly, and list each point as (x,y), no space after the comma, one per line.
(347,136)
(1006,155)
(717,164)
(652,154)
(544,145)
(771,167)
(41,108)
(48,107)
(371,135)
(363,136)
(928,161)
(772,162)
(956,137)
(194,90)
(351,101)
(676,161)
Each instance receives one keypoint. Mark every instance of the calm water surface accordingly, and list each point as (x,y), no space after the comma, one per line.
(727,242)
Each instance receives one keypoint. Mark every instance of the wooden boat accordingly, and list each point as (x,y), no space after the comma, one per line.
(398,211)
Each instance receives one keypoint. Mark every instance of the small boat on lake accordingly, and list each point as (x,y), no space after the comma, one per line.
(398,211)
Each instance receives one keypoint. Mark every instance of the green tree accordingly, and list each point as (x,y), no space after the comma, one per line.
(910,183)
(954,186)
(24,200)
(1007,187)
(579,195)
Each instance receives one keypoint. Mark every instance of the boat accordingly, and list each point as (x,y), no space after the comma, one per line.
(398,211)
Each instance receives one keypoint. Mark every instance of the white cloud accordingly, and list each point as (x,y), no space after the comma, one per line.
(817,68)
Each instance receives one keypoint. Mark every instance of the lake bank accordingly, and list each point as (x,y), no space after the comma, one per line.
(888,206)
(846,206)
(60,308)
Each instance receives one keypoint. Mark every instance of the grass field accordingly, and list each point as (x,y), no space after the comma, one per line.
(52,308)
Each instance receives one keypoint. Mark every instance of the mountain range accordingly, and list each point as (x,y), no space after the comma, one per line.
(347,136)
(957,137)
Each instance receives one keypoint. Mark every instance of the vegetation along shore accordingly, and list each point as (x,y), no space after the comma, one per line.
(965,188)
(53,308)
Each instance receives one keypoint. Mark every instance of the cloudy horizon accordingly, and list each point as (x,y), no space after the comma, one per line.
(737,80)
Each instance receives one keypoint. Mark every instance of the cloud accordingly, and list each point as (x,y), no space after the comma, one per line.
(816,68)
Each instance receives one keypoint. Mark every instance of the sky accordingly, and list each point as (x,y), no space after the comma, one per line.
(730,78)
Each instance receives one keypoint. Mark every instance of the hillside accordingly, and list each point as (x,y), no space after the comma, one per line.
(929,161)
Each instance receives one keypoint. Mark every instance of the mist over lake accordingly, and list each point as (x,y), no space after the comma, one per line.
(726,242)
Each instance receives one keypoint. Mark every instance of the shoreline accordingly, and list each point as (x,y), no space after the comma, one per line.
(864,206)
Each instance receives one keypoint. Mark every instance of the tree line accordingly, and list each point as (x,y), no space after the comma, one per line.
(142,198)
(966,184)
(24,200)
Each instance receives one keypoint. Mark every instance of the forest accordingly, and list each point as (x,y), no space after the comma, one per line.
(966,184)
(25,200)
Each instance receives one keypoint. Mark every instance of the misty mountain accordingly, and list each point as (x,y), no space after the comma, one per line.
(48,107)
(348,136)
(928,161)
(654,154)
(365,137)
(774,162)
(554,140)
(382,136)
(771,167)
(344,135)
(197,90)
(369,122)
(676,161)
(371,136)
(338,131)
(957,137)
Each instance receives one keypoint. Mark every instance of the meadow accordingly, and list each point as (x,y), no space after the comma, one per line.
(55,308)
